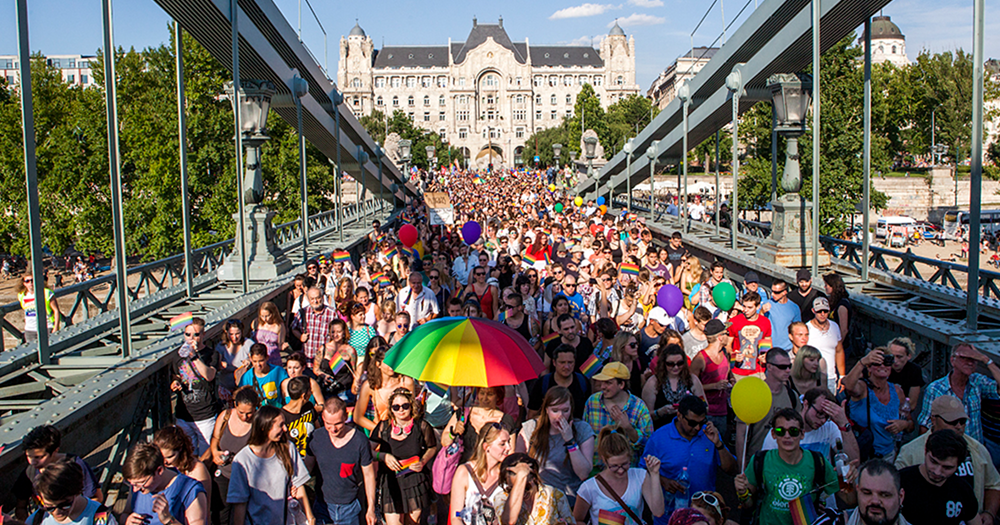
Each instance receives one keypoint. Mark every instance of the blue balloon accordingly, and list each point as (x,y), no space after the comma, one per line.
(670,298)
(600,201)
(471,232)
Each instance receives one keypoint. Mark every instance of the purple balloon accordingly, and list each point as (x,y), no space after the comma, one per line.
(670,299)
(471,232)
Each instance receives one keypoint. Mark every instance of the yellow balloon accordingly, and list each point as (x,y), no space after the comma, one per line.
(578,201)
(751,398)
(552,187)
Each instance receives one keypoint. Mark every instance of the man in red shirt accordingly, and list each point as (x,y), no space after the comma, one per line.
(751,337)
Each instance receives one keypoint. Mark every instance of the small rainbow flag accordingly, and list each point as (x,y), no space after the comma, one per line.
(764,346)
(802,510)
(381,237)
(406,464)
(630,269)
(551,337)
(590,366)
(180,321)
(605,517)
(436,388)
(341,256)
(377,277)
(390,253)
(337,363)
(529,259)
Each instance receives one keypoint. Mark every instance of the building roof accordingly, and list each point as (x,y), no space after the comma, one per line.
(617,30)
(882,27)
(701,53)
(478,36)
(565,56)
(411,56)
(356,30)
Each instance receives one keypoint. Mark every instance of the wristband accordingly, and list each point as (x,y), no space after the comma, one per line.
(571,447)
(720,446)
(989,362)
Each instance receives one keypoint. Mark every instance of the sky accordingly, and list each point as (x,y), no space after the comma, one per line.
(662,28)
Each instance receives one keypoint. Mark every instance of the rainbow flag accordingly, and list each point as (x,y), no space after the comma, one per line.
(549,338)
(381,237)
(377,277)
(764,346)
(390,253)
(630,269)
(605,517)
(802,510)
(337,363)
(529,259)
(436,388)
(590,366)
(407,463)
(180,321)
(341,256)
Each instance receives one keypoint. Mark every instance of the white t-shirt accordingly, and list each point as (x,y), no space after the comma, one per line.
(591,492)
(261,484)
(418,305)
(826,343)
(696,211)
(822,440)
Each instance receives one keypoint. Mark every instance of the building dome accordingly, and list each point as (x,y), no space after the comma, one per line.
(617,30)
(357,31)
(882,27)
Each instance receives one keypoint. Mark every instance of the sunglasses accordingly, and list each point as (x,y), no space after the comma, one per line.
(62,505)
(479,274)
(696,423)
(404,406)
(791,431)
(196,334)
(435,276)
(633,344)
(822,312)
(29,280)
(402,326)
(780,367)
(956,422)
(778,292)
(674,364)
(709,499)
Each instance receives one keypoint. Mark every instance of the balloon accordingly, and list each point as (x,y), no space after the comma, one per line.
(751,399)
(408,235)
(595,229)
(558,207)
(724,295)
(578,201)
(471,232)
(600,201)
(552,187)
(670,298)
(604,209)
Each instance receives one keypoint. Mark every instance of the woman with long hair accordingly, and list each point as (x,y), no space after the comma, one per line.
(361,333)
(876,403)
(526,498)
(341,381)
(386,322)
(671,381)
(178,454)
(382,382)
(691,277)
(562,446)
(406,444)
(267,473)
(477,481)
(373,313)
(560,305)
(630,485)
(234,348)
(296,367)
(523,286)
(487,294)
(540,251)
(466,424)
(269,329)
(344,296)
(232,432)
(840,304)
(26,297)
(625,350)
(808,369)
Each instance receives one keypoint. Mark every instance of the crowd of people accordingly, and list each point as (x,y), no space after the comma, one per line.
(294,417)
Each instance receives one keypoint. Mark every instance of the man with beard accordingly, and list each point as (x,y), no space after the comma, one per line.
(936,496)
(880,496)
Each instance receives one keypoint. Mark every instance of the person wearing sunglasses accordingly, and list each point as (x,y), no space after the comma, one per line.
(774,478)
(824,334)
(59,488)
(691,441)
(824,424)
(41,449)
(948,413)
(26,298)
(876,403)
(405,444)
(777,371)
(782,313)
(963,382)
(671,382)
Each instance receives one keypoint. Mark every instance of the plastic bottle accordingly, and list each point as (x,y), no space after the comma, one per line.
(842,464)
(904,414)
(682,498)
(227,457)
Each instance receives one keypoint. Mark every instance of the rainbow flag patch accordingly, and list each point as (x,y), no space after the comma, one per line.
(341,256)
(590,366)
(337,363)
(605,517)
(178,322)
(802,510)
(407,463)
(436,388)
(551,337)
(630,269)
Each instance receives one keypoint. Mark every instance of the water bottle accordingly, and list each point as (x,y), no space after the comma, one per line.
(904,414)
(682,498)
(227,457)
(842,464)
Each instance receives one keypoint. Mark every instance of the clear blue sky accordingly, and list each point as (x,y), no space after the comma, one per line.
(662,28)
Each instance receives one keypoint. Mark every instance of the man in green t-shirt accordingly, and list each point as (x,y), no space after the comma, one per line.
(784,474)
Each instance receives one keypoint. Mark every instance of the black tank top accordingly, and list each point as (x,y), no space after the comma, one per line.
(524,330)
(231,443)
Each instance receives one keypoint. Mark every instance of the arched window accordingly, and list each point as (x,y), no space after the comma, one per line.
(378,101)
(427,100)
(553,100)
(492,81)
(395,102)
(894,50)
(409,101)
(620,81)
(356,83)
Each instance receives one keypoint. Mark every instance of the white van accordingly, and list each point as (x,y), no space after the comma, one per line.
(885,224)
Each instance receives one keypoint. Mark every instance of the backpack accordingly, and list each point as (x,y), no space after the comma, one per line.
(819,475)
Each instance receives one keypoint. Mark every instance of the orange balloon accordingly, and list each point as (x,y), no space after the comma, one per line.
(604,209)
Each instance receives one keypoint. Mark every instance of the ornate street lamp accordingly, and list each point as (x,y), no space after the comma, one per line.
(447,149)
(378,160)
(430,155)
(556,150)
(404,155)
(652,152)
(628,172)
(265,260)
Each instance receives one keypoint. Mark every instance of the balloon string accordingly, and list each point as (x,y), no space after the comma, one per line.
(743,456)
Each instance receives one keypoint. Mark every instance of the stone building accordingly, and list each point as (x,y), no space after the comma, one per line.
(888,42)
(75,69)
(485,95)
(664,87)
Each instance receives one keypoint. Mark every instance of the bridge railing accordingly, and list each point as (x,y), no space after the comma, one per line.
(754,229)
(96,296)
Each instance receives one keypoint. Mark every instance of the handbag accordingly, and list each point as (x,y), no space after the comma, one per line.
(445,464)
(864,435)
(618,500)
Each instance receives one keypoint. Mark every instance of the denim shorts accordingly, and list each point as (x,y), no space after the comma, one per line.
(337,514)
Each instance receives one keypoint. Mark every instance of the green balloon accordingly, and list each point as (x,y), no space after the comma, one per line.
(724,296)
(559,207)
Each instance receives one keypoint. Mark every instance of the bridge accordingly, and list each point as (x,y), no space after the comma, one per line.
(105,375)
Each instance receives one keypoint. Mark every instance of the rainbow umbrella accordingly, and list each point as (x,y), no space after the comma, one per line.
(458,351)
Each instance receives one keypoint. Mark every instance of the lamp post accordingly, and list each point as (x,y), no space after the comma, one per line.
(651,154)
(684,93)
(404,155)
(447,149)
(362,160)
(734,82)
(381,185)
(790,94)
(430,155)
(338,98)
(300,88)
(627,148)
(556,150)
(590,145)
(265,260)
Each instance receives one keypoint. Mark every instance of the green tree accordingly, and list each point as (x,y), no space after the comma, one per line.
(625,119)
(544,139)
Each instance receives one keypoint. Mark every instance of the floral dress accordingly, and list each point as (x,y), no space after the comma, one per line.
(550,507)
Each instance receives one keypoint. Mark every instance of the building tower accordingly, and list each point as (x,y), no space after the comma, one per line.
(618,53)
(888,42)
(355,81)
